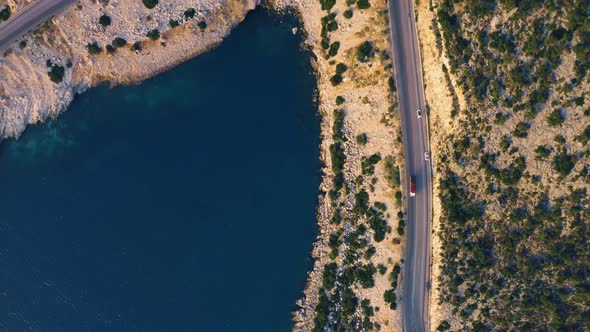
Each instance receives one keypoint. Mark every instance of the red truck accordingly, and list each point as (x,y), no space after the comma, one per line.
(412,186)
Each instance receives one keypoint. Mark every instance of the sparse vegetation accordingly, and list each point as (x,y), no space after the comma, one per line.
(511,234)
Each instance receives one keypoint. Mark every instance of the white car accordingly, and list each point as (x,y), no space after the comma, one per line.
(419,113)
(426,156)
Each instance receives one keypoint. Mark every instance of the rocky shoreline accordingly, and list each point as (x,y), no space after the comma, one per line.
(29,96)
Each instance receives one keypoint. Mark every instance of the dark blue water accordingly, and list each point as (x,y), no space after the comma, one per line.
(186,203)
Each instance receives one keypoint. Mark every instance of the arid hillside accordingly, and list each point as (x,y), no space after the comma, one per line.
(507,86)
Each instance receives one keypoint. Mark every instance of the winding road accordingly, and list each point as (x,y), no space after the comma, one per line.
(28,18)
(408,77)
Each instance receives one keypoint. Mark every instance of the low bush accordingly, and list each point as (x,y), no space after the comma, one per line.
(119,42)
(364,51)
(5,13)
(93,48)
(390,297)
(173,23)
(522,130)
(363,4)
(56,74)
(202,25)
(149,4)
(555,118)
(136,46)
(341,68)
(392,173)
(340,100)
(189,13)
(153,34)
(348,13)
(563,163)
(105,20)
(362,139)
(584,137)
(327,4)
(336,79)
(543,151)
(334,47)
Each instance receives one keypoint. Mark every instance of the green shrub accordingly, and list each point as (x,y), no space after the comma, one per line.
(93,48)
(329,275)
(202,25)
(362,139)
(340,100)
(368,164)
(189,13)
(173,23)
(555,118)
(327,4)
(119,42)
(136,46)
(584,137)
(338,157)
(443,326)
(105,20)
(543,151)
(363,4)
(336,79)
(334,49)
(149,4)
(348,13)
(153,34)
(564,163)
(110,49)
(364,51)
(500,118)
(390,297)
(522,129)
(392,173)
(364,275)
(391,84)
(56,74)
(341,68)
(5,13)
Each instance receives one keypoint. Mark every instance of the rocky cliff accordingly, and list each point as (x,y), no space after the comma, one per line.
(104,41)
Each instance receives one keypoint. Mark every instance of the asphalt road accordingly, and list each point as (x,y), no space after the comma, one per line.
(28,18)
(408,76)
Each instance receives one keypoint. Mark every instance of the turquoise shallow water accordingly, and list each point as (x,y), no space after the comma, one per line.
(186,203)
